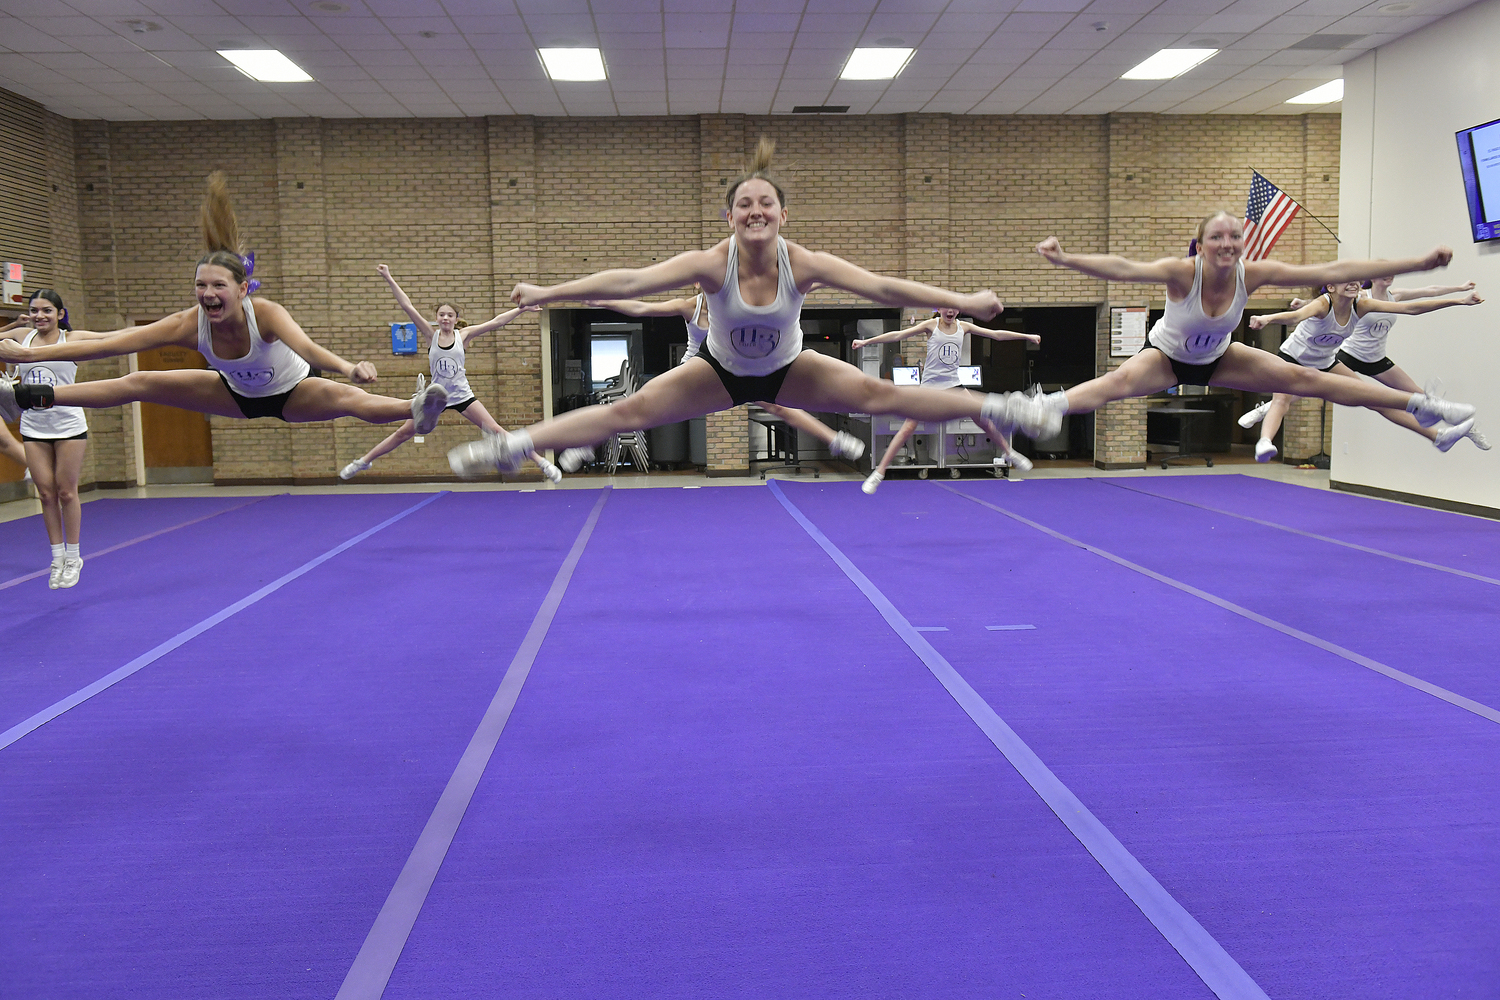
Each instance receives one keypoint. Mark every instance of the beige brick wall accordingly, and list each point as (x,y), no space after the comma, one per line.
(463,208)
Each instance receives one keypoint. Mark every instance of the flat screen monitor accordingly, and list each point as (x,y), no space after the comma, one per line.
(906,376)
(1479,158)
(969,375)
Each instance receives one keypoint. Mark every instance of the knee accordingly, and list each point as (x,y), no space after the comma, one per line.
(67,495)
(878,396)
(47,495)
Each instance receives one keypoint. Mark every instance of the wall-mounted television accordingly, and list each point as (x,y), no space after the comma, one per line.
(1479,158)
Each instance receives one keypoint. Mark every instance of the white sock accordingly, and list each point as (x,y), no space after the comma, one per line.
(57,553)
(1414,402)
(70,549)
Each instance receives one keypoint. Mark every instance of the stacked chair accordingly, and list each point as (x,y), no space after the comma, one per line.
(625,384)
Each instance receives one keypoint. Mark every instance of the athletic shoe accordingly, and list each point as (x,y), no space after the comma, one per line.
(872,483)
(1252,417)
(1450,436)
(428,405)
(1016,461)
(55,576)
(9,408)
(494,452)
(1035,416)
(1480,441)
(846,445)
(551,472)
(71,566)
(1429,407)
(354,468)
(572,459)
(1264,450)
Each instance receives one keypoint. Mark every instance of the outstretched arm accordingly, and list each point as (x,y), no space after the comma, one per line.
(836,272)
(404,301)
(980,331)
(702,266)
(1428,291)
(1415,307)
(891,336)
(179,330)
(468,333)
(682,308)
(1169,271)
(1309,309)
(275,320)
(1274,272)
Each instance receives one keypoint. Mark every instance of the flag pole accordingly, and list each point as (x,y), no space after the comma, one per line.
(1299,204)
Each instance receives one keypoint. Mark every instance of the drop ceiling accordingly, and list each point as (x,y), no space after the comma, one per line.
(156,59)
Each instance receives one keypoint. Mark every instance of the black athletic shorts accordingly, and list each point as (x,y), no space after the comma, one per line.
(746,388)
(461,407)
(1284,356)
(1370,368)
(76,437)
(1187,374)
(260,406)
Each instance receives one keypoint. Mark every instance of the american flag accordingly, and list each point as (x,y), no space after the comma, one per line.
(1267,214)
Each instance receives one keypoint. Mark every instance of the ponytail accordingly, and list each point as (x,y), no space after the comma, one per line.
(758,168)
(221,230)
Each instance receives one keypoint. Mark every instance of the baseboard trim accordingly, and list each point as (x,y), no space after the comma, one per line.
(726,473)
(1112,466)
(1437,503)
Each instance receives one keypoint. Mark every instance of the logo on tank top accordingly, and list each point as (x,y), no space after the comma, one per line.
(948,353)
(1328,339)
(40,376)
(1201,343)
(253,378)
(446,368)
(1381,327)
(754,341)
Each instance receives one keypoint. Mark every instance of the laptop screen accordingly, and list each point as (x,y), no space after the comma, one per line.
(906,376)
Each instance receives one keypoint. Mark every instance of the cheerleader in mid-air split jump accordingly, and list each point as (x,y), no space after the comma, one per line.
(1323,325)
(755,282)
(446,363)
(1206,297)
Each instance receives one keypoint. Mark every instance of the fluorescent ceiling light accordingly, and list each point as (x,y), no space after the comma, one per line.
(1331,91)
(265,65)
(875,64)
(1168,63)
(573,64)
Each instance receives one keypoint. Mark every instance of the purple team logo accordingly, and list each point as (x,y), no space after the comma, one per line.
(40,376)
(754,341)
(447,369)
(1328,339)
(254,378)
(948,353)
(1202,343)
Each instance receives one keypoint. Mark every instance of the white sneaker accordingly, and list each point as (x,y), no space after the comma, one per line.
(846,445)
(1016,461)
(1429,407)
(572,459)
(1450,436)
(550,472)
(428,405)
(55,576)
(354,468)
(71,567)
(1252,417)
(491,453)
(1480,441)
(9,408)
(1035,416)
(1264,450)
(872,483)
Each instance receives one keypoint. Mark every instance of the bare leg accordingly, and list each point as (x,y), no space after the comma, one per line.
(689,390)
(396,439)
(818,382)
(476,414)
(40,458)
(1399,380)
(10,447)
(1147,372)
(1258,371)
(802,420)
(67,467)
(900,438)
(324,399)
(1271,423)
(196,390)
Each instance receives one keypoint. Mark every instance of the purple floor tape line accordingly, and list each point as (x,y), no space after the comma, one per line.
(1218,970)
(1417,683)
(371,971)
(109,680)
(141,538)
(1313,535)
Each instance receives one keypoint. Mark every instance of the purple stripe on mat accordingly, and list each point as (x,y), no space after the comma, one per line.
(1218,970)
(82,695)
(371,971)
(1417,683)
(1008,628)
(139,538)
(1309,534)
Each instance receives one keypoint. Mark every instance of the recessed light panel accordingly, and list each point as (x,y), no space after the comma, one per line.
(1169,63)
(265,65)
(574,65)
(1326,94)
(876,64)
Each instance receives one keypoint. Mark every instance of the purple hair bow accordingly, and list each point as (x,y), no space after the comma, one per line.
(249,261)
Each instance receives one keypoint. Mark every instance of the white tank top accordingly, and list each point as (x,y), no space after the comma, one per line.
(58,421)
(940,370)
(1184,333)
(696,333)
(1367,340)
(755,340)
(266,370)
(1316,340)
(447,366)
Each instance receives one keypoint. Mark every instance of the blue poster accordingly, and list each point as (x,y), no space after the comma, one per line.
(403,338)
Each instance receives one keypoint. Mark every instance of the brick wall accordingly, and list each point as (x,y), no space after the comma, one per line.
(462,208)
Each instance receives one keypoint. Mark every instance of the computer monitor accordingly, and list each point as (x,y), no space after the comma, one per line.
(969,375)
(906,376)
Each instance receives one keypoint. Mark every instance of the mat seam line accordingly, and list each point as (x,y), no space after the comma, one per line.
(1203,954)
(1416,683)
(371,970)
(187,635)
